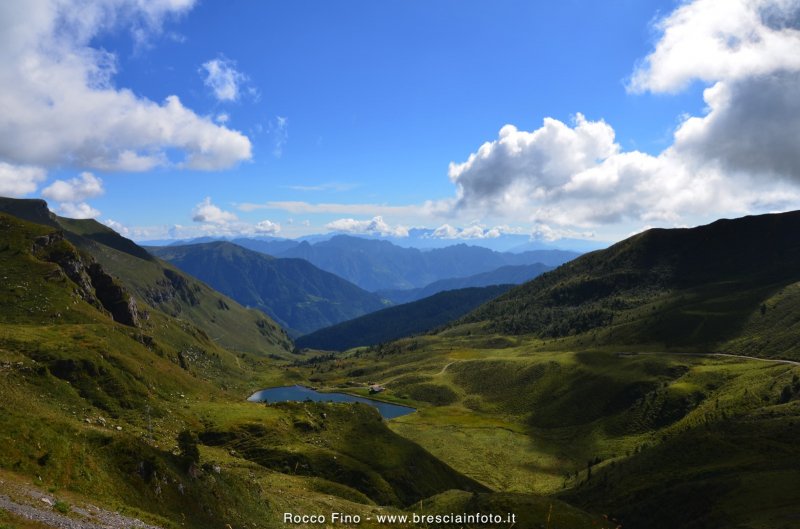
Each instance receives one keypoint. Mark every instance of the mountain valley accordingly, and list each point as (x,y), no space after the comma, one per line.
(147,415)
(126,381)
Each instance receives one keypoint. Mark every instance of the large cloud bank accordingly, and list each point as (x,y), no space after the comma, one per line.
(740,156)
(59,107)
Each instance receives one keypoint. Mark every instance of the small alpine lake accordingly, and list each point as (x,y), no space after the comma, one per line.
(302,393)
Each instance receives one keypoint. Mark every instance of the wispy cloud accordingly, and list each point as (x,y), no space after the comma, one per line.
(222,77)
(279,130)
(331,186)
(427,209)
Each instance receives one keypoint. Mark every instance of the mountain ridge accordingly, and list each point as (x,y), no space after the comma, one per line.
(376,265)
(292,291)
(693,287)
(159,286)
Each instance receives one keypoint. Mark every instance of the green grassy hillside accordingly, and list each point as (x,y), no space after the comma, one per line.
(297,294)
(161,289)
(724,286)
(148,417)
(651,439)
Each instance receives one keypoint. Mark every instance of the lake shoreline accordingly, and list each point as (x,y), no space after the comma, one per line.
(302,393)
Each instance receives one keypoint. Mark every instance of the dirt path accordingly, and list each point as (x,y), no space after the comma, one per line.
(773,360)
(446,366)
(726,355)
(31,504)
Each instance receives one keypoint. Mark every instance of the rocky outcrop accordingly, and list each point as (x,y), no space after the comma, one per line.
(95,286)
(114,297)
(54,249)
(174,286)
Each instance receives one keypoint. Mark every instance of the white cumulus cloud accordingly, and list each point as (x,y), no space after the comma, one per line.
(71,195)
(748,51)
(80,210)
(117,227)
(476,231)
(715,40)
(207,212)
(78,189)
(740,156)
(19,180)
(217,221)
(445,231)
(60,107)
(267,227)
(520,164)
(375,226)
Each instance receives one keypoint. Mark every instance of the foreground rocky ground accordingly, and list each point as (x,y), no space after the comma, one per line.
(23,502)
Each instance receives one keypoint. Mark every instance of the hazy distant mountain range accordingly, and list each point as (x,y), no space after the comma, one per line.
(295,293)
(380,265)
(422,238)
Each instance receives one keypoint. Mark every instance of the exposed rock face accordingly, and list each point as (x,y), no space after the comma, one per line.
(181,287)
(95,286)
(173,286)
(114,297)
(54,249)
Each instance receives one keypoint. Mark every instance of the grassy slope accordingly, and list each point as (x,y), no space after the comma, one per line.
(403,320)
(674,439)
(297,294)
(159,288)
(693,289)
(167,289)
(63,361)
(91,411)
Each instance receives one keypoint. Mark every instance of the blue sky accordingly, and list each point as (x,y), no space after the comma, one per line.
(305,116)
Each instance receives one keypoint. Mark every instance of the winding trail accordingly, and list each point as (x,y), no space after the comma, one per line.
(727,355)
(446,366)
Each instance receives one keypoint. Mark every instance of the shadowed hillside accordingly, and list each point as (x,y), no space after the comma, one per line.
(694,288)
(505,275)
(403,320)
